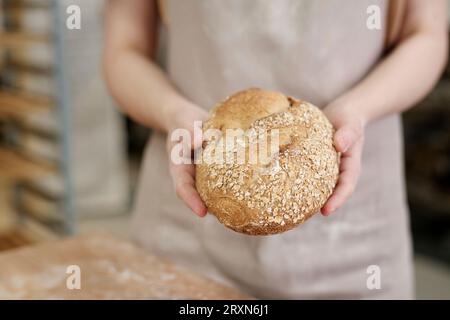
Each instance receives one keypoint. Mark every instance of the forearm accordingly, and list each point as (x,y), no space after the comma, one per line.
(401,79)
(142,89)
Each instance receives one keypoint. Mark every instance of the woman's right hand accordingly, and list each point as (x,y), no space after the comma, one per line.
(183,174)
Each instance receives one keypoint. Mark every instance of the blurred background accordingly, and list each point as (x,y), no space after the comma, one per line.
(69,160)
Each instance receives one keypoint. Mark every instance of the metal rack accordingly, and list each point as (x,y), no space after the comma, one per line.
(20,101)
(64,116)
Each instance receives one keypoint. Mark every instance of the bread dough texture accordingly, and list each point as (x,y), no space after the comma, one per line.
(275,195)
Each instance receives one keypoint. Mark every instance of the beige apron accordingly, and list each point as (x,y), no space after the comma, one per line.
(314,50)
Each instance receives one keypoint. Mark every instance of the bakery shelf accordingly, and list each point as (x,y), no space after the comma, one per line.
(28,233)
(14,166)
(21,66)
(17,105)
(19,39)
(34,116)
(26,4)
(40,207)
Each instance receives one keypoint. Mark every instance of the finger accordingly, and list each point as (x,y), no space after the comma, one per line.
(184,183)
(190,196)
(346,136)
(348,178)
(194,123)
(197,135)
(344,189)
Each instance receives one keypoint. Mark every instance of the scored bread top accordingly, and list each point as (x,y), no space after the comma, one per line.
(244,108)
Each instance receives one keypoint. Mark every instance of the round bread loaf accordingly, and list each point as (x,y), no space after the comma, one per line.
(290,185)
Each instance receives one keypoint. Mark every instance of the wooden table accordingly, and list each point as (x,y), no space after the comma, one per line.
(110,269)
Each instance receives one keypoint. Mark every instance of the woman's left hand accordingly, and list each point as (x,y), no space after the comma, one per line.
(348,140)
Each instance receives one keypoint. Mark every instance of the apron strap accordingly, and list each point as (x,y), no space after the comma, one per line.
(395,20)
(162,12)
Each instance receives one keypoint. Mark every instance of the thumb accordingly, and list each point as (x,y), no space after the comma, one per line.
(346,136)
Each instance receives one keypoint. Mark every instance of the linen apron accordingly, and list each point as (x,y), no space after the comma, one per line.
(313,50)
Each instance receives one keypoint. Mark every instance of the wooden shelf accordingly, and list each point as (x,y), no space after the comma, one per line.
(14,166)
(24,234)
(22,67)
(12,40)
(12,240)
(25,119)
(27,4)
(16,105)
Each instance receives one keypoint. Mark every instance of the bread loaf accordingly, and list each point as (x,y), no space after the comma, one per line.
(263,198)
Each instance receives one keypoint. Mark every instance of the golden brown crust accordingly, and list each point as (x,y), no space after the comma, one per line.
(267,198)
(245,107)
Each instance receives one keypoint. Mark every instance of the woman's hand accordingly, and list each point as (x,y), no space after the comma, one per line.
(348,140)
(183,175)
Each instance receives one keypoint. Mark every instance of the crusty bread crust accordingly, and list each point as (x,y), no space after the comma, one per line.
(269,198)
